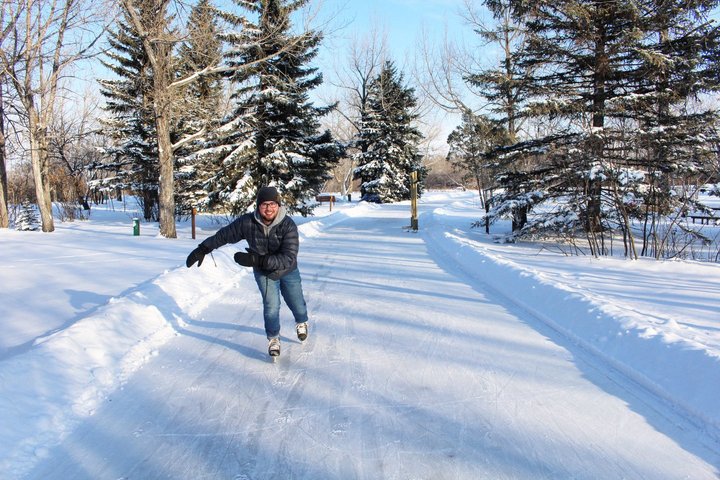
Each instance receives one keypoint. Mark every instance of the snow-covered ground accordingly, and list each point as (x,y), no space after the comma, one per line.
(433,355)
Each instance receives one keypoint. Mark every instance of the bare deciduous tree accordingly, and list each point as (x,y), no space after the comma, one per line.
(73,146)
(4,214)
(47,38)
(365,58)
(8,18)
(439,71)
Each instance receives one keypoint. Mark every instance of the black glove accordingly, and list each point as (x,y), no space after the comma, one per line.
(197,255)
(249,259)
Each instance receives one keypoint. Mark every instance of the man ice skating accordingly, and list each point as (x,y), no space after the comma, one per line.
(273,242)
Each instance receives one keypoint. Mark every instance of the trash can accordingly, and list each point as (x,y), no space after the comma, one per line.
(136,227)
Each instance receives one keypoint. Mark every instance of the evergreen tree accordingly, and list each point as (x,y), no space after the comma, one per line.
(579,51)
(503,86)
(593,67)
(27,218)
(154,24)
(388,140)
(199,108)
(200,99)
(673,141)
(471,147)
(272,136)
(132,158)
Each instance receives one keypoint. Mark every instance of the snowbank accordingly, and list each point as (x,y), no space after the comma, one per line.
(647,349)
(48,390)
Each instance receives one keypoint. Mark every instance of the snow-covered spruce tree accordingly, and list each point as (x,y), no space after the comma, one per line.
(27,218)
(502,85)
(273,135)
(578,52)
(388,140)
(588,60)
(131,162)
(364,59)
(199,107)
(674,138)
(469,145)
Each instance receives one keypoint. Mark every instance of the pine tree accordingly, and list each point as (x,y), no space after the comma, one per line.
(503,86)
(272,137)
(132,159)
(199,108)
(200,100)
(471,146)
(155,27)
(594,67)
(388,140)
(673,140)
(27,218)
(579,52)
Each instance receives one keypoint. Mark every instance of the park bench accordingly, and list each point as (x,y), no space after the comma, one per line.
(706,218)
(325,197)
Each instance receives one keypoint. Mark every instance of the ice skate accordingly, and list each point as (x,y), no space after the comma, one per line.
(274,347)
(302,331)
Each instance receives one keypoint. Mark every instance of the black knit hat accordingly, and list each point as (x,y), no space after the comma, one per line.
(268,194)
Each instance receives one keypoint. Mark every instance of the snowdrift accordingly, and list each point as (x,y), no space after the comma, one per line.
(683,374)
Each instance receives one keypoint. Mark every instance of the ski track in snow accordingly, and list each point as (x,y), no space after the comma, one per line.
(413,369)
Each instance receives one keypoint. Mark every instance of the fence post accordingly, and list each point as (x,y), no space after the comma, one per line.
(194,212)
(413,200)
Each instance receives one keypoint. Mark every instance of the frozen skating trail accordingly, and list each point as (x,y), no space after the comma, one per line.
(411,371)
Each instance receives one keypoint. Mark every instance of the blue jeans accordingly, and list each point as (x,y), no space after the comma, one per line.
(290,286)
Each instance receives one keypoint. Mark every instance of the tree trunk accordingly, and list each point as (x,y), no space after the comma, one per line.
(519,218)
(4,213)
(167,179)
(593,188)
(162,102)
(149,202)
(40,166)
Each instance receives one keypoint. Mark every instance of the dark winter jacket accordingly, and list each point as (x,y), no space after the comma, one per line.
(278,243)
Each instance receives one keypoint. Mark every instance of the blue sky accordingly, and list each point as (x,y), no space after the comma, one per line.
(403,21)
(406,24)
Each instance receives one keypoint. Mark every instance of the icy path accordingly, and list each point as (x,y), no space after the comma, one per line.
(410,372)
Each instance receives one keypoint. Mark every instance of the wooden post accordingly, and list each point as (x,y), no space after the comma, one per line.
(194,212)
(413,200)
